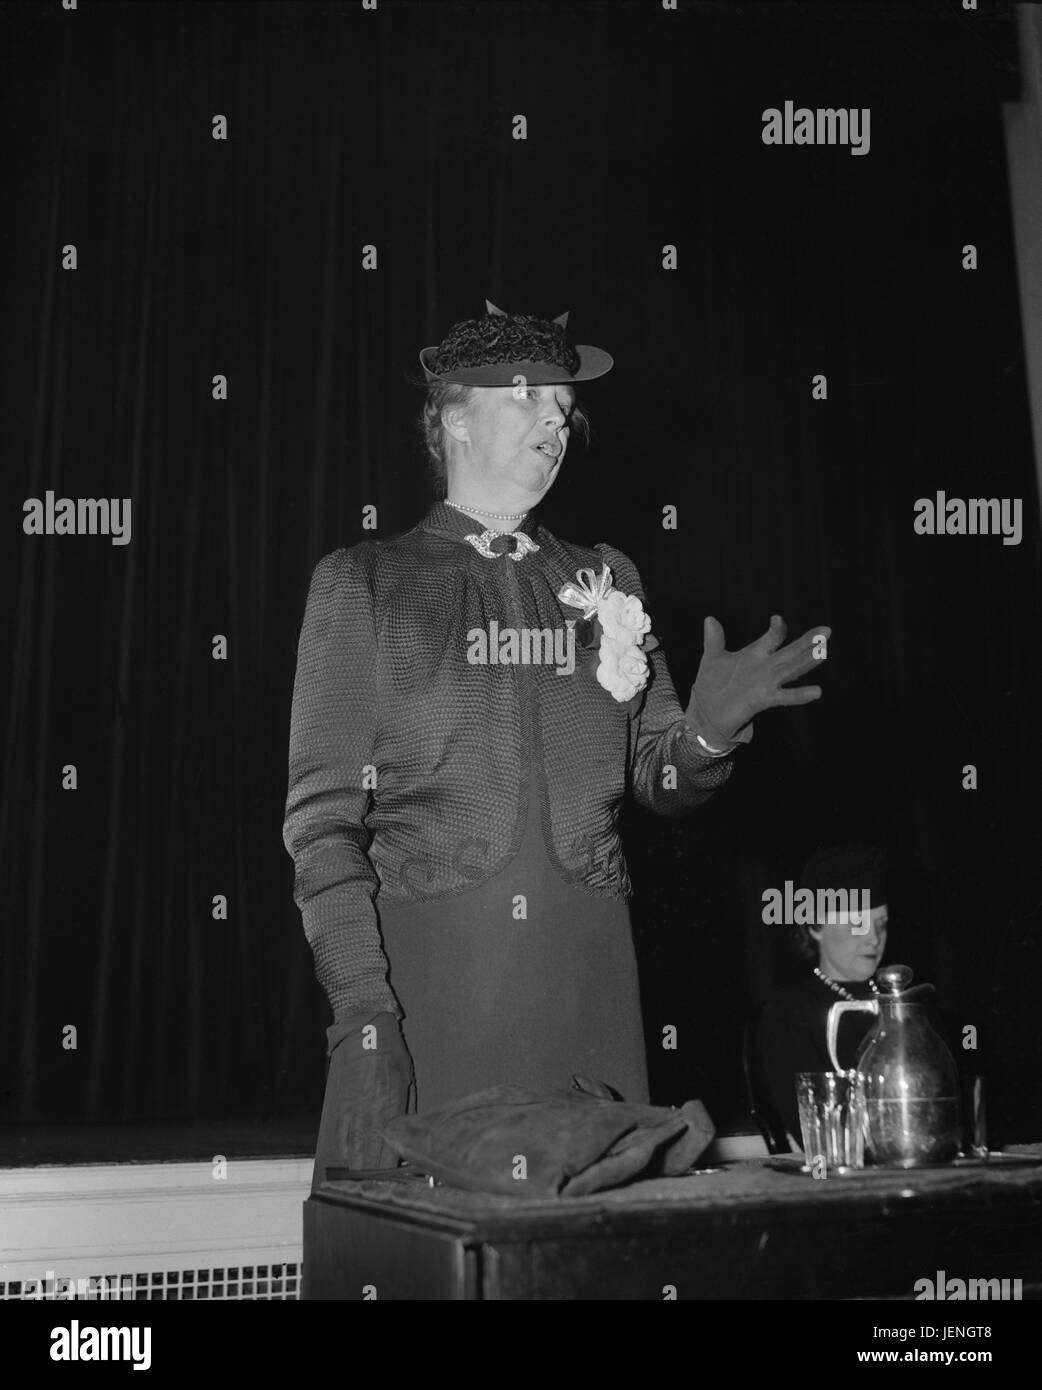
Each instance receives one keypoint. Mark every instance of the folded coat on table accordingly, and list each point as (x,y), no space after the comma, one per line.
(553,1142)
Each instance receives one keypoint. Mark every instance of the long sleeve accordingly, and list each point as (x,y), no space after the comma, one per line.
(332,738)
(661,737)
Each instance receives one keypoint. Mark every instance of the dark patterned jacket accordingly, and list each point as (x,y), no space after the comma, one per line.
(409,765)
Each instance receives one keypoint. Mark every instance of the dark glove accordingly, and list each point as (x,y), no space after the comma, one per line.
(370,1082)
(731,687)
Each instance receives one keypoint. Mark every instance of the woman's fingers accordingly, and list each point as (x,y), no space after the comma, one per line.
(804,654)
(765,668)
(802,695)
(791,667)
(776,633)
(713,637)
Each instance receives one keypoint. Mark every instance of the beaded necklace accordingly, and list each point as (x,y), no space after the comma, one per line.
(838,989)
(496,516)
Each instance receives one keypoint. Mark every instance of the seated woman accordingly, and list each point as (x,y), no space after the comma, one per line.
(790,1035)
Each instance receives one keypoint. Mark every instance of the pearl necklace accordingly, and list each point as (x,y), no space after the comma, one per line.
(838,989)
(496,516)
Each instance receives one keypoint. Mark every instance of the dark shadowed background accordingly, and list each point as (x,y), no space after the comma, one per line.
(244,257)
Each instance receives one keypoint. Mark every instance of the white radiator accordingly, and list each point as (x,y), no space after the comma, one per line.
(200,1231)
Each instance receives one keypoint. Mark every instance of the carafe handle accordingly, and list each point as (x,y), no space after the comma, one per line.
(860,1006)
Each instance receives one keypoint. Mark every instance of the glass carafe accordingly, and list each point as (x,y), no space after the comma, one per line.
(911,1085)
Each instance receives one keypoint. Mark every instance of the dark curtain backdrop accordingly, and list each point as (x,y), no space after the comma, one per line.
(244,257)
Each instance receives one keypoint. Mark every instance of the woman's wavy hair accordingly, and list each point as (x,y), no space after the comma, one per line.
(449,395)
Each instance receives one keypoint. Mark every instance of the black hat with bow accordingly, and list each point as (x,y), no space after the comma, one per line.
(498,349)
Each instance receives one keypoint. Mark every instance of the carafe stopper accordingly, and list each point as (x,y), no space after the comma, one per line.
(894,979)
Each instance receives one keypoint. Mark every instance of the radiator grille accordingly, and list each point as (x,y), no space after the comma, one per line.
(190,1285)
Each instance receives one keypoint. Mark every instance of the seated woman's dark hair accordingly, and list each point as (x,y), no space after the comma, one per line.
(859,866)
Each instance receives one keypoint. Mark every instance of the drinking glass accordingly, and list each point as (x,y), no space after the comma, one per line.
(832,1118)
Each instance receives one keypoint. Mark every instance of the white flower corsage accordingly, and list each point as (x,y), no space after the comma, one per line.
(623,668)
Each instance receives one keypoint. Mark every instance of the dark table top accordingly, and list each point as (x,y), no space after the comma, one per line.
(735,1188)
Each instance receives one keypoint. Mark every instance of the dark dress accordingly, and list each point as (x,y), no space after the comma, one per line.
(791,1037)
(489,999)
(427,791)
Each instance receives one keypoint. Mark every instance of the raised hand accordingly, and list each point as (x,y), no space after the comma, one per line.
(732,687)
